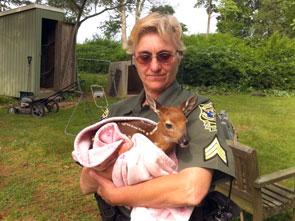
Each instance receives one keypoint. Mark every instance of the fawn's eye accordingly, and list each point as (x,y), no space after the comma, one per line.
(168,125)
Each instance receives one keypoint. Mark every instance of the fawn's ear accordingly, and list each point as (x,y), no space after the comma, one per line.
(154,105)
(189,105)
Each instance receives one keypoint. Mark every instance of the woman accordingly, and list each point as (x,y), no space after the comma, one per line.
(156,46)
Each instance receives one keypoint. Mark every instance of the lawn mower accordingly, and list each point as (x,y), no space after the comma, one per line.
(38,107)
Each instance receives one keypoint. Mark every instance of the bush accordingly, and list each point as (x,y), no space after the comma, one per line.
(226,61)
(277,55)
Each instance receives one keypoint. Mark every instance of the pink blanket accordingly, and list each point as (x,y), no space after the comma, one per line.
(142,162)
(105,142)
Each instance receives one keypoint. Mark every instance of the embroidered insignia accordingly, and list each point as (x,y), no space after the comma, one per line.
(215,149)
(208,116)
(105,114)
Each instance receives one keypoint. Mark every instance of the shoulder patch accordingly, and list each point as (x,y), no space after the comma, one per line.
(105,113)
(215,149)
(208,116)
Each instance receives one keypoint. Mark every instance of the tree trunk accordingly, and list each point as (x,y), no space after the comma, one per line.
(138,9)
(208,24)
(209,12)
(123,26)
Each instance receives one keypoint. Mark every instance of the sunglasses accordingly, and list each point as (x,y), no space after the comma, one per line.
(163,57)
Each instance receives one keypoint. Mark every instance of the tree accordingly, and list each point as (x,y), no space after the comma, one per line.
(140,5)
(165,9)
(210,6)
(274,16)
(256,18)
(110,28)
(138,8)
(227,20)
(117,21)
(237,17)
(134,7)
(8,4)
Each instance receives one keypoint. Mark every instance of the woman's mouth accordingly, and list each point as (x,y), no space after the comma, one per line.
(155,76)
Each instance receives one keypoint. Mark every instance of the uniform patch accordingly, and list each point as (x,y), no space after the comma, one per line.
(215,149)
(105,114)
(208,116)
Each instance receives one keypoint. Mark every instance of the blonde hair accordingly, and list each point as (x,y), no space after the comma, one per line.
(166,26)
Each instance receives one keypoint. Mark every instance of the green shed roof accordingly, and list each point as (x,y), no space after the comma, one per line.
(29,7)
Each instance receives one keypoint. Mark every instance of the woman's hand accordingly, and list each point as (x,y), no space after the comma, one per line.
(88,184)
(105,187)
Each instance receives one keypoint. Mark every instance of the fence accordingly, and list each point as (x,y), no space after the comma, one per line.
(91,65)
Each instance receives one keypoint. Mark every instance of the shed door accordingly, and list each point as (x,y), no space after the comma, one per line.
(47,53)
(65,73)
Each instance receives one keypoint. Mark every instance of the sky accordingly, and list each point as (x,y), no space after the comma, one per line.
(194,18)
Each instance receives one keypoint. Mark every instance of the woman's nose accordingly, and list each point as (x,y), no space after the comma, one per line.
(155,65)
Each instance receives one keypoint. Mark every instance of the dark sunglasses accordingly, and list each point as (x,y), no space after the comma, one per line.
(163,57)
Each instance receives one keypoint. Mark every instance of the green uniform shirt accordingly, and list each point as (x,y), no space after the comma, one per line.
(207,147)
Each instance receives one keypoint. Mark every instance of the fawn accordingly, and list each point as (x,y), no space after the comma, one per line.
(169,131)
(171,128)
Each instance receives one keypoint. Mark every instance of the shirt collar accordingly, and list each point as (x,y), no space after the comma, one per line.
(137,106)
(167,97)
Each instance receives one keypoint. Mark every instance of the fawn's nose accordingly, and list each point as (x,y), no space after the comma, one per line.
(183,142)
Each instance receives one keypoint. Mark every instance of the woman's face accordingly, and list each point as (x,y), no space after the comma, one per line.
(157,63)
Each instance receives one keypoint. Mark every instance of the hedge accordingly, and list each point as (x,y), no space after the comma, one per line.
(221,59)
(216,60)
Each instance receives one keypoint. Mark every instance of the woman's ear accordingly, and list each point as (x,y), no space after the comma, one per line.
(132,59)
(179,56)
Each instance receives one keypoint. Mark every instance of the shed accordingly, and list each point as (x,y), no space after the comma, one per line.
(34,43)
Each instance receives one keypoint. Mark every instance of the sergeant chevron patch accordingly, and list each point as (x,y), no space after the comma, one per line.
(215,149)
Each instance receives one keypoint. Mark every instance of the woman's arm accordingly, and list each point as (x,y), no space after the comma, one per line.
(186,188)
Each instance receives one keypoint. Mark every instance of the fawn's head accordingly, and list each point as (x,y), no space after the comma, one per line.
(171,127)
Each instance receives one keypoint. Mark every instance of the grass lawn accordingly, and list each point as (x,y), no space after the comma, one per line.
(40,181)
(266,124)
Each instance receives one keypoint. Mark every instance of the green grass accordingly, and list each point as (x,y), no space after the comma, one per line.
(5,101)
(40,181)
(266,124)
